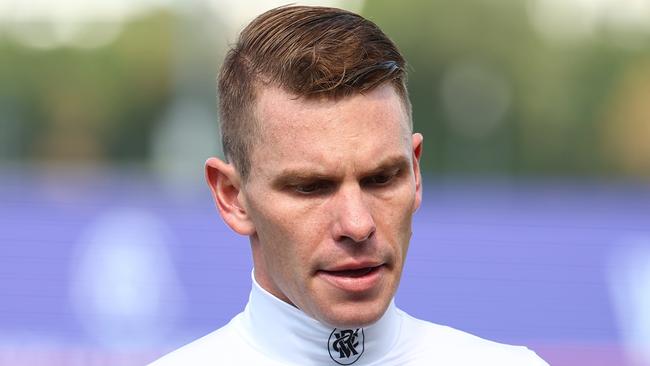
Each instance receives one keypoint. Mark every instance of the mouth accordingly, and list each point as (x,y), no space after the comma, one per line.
(354,280)
(354,273)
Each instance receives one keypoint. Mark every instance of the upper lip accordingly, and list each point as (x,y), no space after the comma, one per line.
(349,266)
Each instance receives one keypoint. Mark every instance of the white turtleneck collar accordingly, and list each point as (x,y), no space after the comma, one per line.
(289,336)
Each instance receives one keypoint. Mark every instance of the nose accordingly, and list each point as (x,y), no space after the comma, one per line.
(353,217)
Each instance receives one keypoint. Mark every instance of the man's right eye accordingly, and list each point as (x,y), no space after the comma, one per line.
(311,188)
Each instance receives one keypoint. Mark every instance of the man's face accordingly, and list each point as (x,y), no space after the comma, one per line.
(331,193)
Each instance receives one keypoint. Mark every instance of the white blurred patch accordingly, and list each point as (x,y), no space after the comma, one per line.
(236,14)
(561,20)
(50,34)
(476,99)
(629,280)
(47,24)
(575,20)
(124,287)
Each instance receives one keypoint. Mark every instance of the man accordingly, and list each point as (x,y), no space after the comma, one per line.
(322,173)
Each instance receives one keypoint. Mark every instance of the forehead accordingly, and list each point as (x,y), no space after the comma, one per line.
(274,103)
(328,134)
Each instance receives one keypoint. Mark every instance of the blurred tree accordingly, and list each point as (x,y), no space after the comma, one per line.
(80,105)
(492,93)
(556,92)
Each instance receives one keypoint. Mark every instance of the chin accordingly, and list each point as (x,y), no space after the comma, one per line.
(354,314)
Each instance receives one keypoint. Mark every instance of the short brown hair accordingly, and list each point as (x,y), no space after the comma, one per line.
(312,52)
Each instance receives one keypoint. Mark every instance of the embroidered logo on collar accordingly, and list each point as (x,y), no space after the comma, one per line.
(346,345)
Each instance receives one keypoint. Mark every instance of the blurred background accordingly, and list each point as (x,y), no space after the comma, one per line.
(535,227)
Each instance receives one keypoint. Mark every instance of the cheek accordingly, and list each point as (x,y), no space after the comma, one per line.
(396,218)
(397,209)
(286,244)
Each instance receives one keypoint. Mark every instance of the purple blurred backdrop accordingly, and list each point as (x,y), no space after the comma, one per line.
(113,267)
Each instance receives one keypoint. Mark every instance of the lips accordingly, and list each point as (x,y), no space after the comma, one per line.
(354,279)
(359,272)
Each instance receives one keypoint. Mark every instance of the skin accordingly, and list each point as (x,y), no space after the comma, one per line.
(333,187)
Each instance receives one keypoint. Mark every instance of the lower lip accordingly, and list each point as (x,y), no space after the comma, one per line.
(354,283)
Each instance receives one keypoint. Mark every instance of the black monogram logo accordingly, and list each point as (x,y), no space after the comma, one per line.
(346,345)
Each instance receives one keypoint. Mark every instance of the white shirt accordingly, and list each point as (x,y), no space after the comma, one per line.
(270,332)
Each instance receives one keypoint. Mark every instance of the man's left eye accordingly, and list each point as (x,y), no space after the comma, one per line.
(380,179)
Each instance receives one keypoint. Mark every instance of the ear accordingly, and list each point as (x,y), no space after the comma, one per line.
(225,183)
(417,153)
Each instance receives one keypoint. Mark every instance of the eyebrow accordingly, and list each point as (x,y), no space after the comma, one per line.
(397,162)
(291,176)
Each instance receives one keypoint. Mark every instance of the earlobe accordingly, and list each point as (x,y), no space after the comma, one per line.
(225,184)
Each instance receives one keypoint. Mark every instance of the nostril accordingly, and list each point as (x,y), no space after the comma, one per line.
(360,236)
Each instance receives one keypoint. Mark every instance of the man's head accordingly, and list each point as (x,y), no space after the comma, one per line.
(323,173)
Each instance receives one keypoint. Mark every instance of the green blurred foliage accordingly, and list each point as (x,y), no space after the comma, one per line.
(560,93)
(559,108)
(77,105)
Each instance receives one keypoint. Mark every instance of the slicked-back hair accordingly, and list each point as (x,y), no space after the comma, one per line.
(311,52)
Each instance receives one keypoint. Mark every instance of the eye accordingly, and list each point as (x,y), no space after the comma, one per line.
(312,188)
(380,180)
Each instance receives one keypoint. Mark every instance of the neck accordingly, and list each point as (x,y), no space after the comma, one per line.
(285,333)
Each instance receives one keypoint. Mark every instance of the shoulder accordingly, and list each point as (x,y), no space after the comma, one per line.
(448,346)
(226,345)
